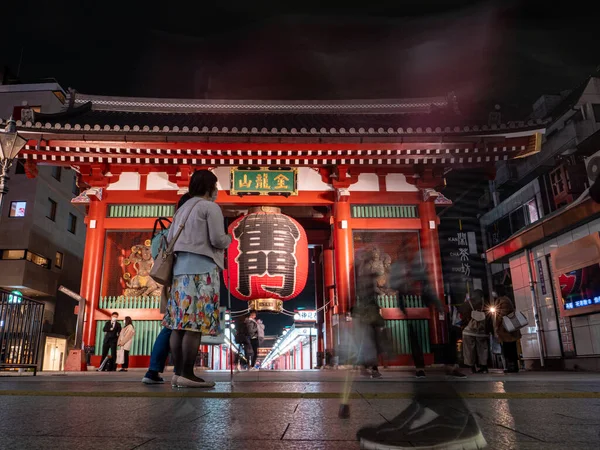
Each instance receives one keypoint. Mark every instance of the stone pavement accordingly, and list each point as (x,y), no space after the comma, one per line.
(269,410)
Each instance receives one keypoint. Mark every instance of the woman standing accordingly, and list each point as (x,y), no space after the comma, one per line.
(504,306)
(125,341)
(476,336)
(193,306)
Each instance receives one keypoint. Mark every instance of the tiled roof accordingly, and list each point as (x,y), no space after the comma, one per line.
(371,117)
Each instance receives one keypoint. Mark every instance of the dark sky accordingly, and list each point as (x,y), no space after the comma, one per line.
(507,51)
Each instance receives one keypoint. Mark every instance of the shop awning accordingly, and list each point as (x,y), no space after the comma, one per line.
(560,221)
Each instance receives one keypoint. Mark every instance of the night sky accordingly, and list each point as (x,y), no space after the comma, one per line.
(505,51)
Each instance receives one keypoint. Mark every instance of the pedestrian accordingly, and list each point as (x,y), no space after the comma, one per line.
(112,329)
(253,334)
(476,335)
(125,341)
(407,277)
(160,349)
(367,323)
(503,306)
(242,338)
(193,304)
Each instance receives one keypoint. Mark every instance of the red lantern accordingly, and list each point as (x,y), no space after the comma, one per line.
(268,256)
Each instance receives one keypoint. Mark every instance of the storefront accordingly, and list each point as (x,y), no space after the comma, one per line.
(554,266)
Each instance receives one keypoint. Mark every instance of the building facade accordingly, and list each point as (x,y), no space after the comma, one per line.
(363,177)
(42,234)
(541,238)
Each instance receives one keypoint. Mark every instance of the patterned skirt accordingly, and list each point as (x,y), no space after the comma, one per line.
(194,303)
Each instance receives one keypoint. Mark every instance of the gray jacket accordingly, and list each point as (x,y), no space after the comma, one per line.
(204,232)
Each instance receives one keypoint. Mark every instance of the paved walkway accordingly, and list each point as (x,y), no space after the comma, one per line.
(282,410)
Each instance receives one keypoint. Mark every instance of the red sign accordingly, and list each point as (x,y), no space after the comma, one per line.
(268,257)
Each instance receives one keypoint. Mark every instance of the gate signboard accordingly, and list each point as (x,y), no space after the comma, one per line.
(264,181)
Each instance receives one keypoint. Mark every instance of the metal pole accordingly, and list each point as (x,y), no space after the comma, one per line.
(310,347)
(4,165)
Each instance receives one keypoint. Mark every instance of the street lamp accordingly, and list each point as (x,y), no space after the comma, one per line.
(10,146)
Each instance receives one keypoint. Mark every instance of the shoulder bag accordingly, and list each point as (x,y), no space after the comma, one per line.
(162,270)
(514,321)
(477,316)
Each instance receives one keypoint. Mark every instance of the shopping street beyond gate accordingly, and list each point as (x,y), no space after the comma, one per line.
(283,410)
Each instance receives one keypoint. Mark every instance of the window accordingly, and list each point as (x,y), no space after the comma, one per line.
(13,254)
(58,260)
(532,210)
(51,210)
(517,220)
(56,172)
(17,209)
(596,109)
(75,188)
(72,227)
(38,260)
(20,167)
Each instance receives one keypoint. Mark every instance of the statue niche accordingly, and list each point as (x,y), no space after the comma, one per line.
(140,284)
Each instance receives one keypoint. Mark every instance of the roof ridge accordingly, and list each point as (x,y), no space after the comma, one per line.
(141,104)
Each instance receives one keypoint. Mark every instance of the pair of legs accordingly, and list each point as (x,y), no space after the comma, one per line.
(112,346)
(184,349)
(254,345)
(476,349)
(158,357)
(511,356)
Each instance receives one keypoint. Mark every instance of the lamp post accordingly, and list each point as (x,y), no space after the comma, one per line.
(10,146)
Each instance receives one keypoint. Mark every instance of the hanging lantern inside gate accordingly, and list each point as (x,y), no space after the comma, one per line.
(268,256)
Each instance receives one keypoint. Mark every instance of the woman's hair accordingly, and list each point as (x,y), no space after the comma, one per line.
(203,182)
(184,198)
(128,321)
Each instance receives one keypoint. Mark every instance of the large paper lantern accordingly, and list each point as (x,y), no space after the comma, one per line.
(268,256)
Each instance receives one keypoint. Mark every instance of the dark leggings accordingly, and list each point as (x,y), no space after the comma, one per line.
(126,360)
(184,350)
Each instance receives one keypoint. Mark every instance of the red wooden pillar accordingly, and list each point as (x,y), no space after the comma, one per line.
(91,277)
(343,251)
(430,246)
(329,281)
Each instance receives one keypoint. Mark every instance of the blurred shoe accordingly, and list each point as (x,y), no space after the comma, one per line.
(473,369)
(344,411)
(174,380)
(418,427)
(365,372)
(123,370)
(254,368)
(152,378)
(483,369)
(455,373)
(186,383)
(376,374)
(420,374)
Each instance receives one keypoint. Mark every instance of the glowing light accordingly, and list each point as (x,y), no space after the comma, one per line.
(296,316)
(227,316)
(493,309)
(232,326)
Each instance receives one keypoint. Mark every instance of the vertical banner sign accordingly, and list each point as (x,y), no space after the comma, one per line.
(541,275)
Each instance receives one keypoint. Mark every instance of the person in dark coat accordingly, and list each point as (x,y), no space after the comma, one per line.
(112,329)
(503,306)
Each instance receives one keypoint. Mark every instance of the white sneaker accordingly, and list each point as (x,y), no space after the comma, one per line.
(185,383)
(174,380)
